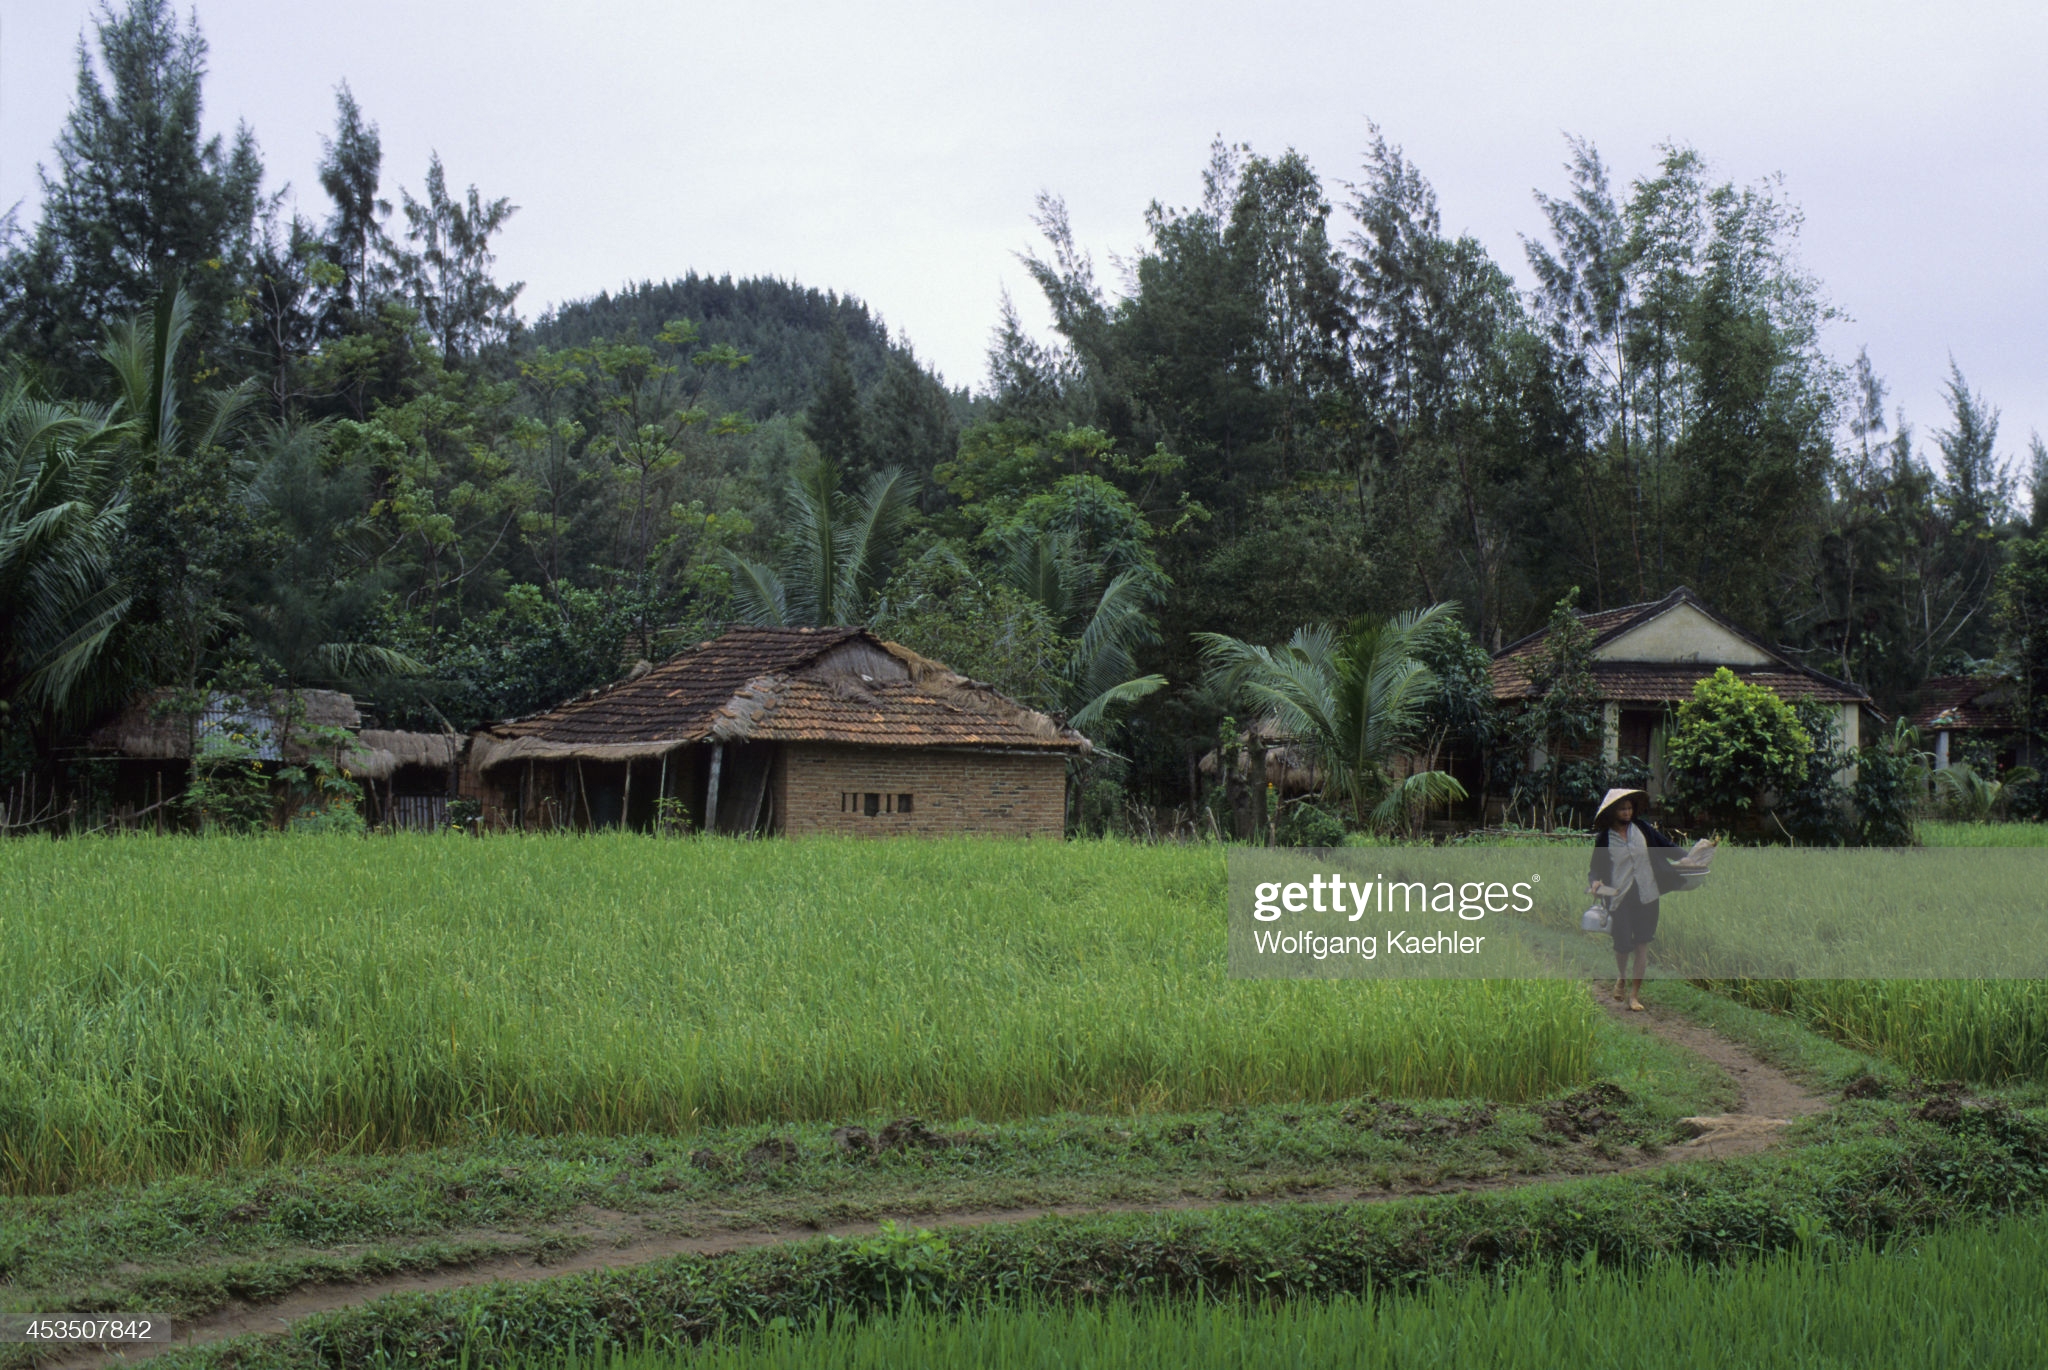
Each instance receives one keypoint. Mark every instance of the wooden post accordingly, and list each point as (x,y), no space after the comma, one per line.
(711,795)
(660,791)
(626,802)
(589,819)
(532,798)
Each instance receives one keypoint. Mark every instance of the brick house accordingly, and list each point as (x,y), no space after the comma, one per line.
(781,730)
(1646,658)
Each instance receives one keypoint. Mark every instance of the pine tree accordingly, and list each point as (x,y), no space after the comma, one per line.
(139,195)
(833,421)
(909,421)
(447,271)
(351,164)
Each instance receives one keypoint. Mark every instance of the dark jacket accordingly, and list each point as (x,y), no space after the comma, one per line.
(1602,868)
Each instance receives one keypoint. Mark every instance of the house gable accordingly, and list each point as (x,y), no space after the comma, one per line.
(1683,633)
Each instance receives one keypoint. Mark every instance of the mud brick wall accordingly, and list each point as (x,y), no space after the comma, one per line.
(821,788)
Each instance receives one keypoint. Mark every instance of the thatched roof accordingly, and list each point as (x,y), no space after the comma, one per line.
(778,685)
(380,752)
(1290,766)
(149,729)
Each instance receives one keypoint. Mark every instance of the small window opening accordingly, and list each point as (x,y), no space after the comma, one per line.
(903,803)
(872,805)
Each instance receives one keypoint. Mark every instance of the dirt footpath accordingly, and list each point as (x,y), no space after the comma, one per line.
(1769,1100)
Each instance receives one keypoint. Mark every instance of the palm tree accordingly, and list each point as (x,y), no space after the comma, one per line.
(834,550)
(1356,701)
(63,507)
(1107,622)
(167,433)
(1972,798)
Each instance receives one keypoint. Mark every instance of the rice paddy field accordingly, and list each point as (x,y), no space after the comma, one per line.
(668,1033)
(1946,1300)
(1983,1030)
(177,1005)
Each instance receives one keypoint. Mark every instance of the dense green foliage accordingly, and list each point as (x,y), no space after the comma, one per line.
(181,1004)
(1733,743)
(1355,700)
(1295,412)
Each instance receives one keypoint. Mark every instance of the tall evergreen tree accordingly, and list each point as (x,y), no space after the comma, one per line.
(2037,486)
(833,421)
(447,269)
(1975,493)
(139,195)
(909,420)
(351,164)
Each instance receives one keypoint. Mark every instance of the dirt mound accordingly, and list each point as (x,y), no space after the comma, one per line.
(1586,1113)
(1394,1118)
(905,1134)
(1950,1105)
(775,1151)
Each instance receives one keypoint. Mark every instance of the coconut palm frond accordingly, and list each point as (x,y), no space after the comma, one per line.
(1355,699)
(878,517)
(758,594)
(364,660)
(1415,794)
(1095,712)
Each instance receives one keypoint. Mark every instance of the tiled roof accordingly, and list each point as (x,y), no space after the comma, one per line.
(1668,682)
(1961,703)
(1661,681)
(887,713)
(677,700)
(1600,624)
(767,684)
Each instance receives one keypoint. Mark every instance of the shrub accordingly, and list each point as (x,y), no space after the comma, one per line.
(1819,810)
(1891,783)
(1733,744)
(1308,825)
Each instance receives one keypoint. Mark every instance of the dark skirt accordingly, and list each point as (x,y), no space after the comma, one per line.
(1633,924)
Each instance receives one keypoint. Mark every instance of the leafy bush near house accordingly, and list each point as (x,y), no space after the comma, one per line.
(1308,825)
(1733,743)
(1891,784)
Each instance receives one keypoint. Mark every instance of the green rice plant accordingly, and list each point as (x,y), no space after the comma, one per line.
(1980,1030)
(1958,1298)
(177,1004)
(1936,834)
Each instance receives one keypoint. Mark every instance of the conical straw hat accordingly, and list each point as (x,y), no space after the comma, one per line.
(1615,797)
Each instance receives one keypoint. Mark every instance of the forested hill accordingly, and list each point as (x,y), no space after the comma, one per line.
(787,329)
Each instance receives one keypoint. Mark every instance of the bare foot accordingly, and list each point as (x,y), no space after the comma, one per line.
(1635,1005)
(1620,993)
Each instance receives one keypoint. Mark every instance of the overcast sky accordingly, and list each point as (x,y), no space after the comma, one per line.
(893,151)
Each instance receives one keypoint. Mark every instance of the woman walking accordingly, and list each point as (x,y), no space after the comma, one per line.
(1622,863)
